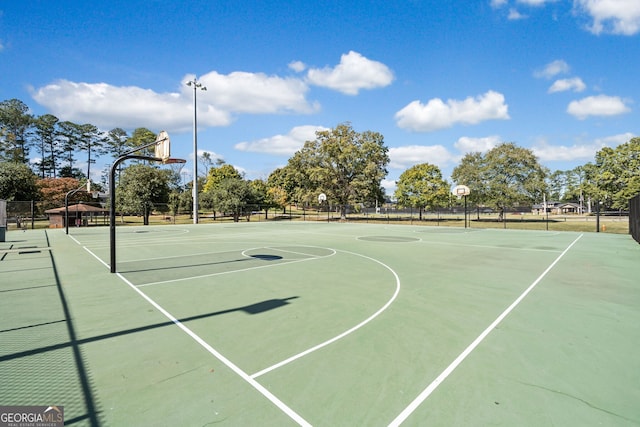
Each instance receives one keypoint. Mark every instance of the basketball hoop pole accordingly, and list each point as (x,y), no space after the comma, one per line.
(87,186)
(465,211)
(112,195)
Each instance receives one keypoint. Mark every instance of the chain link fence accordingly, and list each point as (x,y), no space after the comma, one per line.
(49,214)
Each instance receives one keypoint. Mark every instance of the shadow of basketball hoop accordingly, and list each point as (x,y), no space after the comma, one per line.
(266,257)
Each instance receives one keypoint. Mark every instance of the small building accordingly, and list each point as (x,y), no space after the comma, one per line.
(558,208)
(80,214)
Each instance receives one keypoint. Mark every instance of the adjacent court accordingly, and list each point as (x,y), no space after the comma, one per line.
(324,324)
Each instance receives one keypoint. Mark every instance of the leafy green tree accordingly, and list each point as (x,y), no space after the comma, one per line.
(619,173)
(470,172)
(218,174)
(259,190)
(15,124)
(556,184)
(507,175)
(142,188)
(141,137)
(421,186)
(284,185)
(46,139)
(18,182)
(234,196)
(346,165)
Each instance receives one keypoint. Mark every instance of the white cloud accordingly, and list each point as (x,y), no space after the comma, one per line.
(297,66)
(615,140)
(389,185)
(467,144)
(575,84)
(254,93)
(355,72)
(547,153)
(436,114)
(498,3)
(284,145)
(611,16)
(109,106)
(552,69)
(581,151)
(514,15)
(407,156)
(535,3)
(600,105)
(128,107)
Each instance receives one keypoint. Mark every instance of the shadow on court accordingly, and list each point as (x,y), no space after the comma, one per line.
(197,263)
(257,308)
(54,372)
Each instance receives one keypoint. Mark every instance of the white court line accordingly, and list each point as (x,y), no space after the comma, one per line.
(266,393)
(345,333)
(458,360)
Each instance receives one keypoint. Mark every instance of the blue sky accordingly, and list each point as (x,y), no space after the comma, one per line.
(437,78)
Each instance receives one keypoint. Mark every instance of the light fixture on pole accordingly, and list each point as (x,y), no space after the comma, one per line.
(196,85)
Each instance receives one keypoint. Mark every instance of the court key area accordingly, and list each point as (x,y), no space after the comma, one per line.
(323,324)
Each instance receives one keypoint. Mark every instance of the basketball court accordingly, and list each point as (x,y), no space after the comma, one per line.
(324,324)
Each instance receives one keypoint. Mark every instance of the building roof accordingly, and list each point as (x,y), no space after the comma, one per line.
(78,207)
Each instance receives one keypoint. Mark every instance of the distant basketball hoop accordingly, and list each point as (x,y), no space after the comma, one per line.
(461,190)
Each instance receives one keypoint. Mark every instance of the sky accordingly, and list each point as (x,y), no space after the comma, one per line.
(438,79)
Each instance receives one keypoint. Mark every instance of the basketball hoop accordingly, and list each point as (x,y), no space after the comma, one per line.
(162,148)
(170,161)
(461,190)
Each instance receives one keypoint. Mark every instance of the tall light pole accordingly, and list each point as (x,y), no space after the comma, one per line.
(196,86)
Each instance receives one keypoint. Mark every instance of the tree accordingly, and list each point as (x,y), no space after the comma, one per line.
(142,188)
(259,192)
(421,186)
(55,189)
(70,135)
(17,182)
(557,185)
(141,137)
(116,142)
(232,195)
(46,132)
(507,175)
(15,123)
(218,174)
(92,142)
(207,162)
(288,184)
(213,180)
(619,173)
(345,165)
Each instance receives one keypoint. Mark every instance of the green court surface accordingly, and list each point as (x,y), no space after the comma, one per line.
(324,324)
